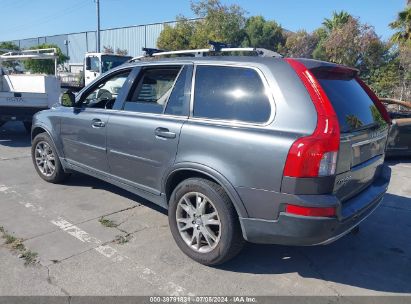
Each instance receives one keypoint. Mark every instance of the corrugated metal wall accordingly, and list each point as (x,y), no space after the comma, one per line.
(75,45)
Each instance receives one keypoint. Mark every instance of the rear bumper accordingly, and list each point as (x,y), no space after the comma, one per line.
(398,152)
(290,229)
(19,113)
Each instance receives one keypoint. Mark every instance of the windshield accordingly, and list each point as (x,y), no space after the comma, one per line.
(354,108)
(109,62)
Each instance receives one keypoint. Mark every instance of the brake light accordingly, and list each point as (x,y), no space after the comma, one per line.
(375,100)
(311,211)
(315,155)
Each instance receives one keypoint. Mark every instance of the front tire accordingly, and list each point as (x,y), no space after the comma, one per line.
(204,222)
(45,159)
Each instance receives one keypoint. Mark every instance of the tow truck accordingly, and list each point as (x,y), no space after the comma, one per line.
(93,66)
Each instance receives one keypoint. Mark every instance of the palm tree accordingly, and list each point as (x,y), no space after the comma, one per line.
(353,121)
(402,26)
(337,20)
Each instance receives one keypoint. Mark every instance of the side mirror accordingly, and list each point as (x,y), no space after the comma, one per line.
(88,63)
(68,99)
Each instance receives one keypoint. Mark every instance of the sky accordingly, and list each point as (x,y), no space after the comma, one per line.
(27,18)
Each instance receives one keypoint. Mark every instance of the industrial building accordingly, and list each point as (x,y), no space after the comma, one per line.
(75,45)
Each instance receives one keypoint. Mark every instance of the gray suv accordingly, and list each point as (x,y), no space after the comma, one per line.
(237,148)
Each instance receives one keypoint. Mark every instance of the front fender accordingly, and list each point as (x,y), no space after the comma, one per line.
(44,122)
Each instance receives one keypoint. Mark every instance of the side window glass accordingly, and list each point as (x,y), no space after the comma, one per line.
(104,94)
(179,100)
(230,93)
(152,90)
(94,64)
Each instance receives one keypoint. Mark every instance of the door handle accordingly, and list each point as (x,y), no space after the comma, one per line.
(97,123)
(164,133)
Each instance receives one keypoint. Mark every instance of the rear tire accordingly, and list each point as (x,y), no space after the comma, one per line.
(46,160)
(211,236)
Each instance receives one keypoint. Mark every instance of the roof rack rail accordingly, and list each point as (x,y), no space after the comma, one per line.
(147,52)
(150,51)
(35,54)
(215,47)
(50,53)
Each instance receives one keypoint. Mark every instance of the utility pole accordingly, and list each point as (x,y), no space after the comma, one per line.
(98,26)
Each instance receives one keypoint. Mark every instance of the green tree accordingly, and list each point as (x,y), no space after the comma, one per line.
(301,44)
(353,121)
(45,66)
(337,20)
(262,33)
(218,22)
(8,46)
(352,43)
(319,51)
(385,79)
(402,40)
(402,26)
(178,37)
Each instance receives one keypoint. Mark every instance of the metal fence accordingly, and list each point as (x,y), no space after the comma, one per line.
(75,45)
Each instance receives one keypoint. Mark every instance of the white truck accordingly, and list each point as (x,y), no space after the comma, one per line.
(93,66)
(23,95)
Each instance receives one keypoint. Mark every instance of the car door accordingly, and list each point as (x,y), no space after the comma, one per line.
(83,127)
(399,140)
(142,137)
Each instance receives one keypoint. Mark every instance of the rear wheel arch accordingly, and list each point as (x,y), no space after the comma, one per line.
(182,173)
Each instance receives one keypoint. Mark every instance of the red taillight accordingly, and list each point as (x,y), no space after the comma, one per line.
(315,155)
(375,100)
(311,211)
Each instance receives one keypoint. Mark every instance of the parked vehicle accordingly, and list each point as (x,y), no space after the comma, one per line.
(94,65)
(267,150)
(23,95)
(399,140)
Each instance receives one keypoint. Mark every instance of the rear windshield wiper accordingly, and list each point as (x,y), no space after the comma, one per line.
(373,125)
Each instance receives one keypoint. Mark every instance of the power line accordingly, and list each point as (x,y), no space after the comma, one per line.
(50,17)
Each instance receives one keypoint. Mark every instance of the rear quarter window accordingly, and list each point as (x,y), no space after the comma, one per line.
(230,93)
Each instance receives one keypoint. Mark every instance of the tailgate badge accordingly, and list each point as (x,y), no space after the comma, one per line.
(344,180)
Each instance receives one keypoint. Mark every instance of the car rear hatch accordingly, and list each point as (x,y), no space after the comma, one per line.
(363,128)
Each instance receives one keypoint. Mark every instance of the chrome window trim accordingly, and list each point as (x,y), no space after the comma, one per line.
(150,115)
(182,65)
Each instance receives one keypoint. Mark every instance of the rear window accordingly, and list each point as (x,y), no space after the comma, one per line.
(354,108)
(230,93)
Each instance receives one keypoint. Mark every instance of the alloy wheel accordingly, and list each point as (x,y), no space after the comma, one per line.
(45,158)
(198,222)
